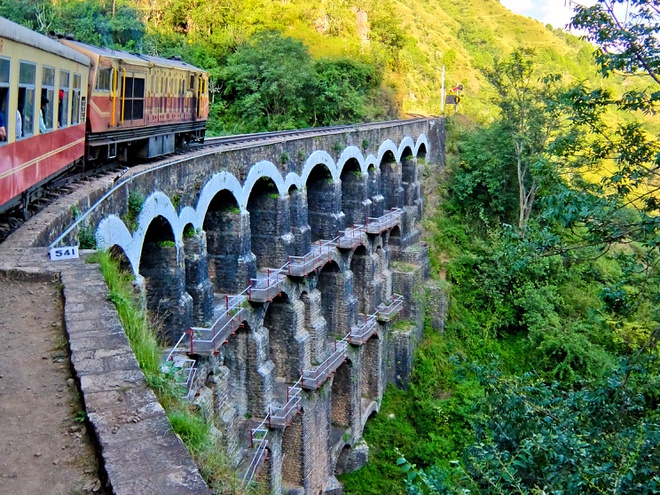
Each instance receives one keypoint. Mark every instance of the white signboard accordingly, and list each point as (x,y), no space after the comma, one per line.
(64,253)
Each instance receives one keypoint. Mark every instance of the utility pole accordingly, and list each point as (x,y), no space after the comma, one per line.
(442,93)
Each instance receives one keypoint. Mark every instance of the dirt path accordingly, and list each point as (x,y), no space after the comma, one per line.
(44,446)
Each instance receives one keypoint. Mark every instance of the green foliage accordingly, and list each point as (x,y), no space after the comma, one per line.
(86,237)
(188,424)
(596,439)
(135,204)
(133,318)
(266,83)
(189,232)
(89,21)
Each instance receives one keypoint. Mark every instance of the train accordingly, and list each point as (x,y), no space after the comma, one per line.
(64,103)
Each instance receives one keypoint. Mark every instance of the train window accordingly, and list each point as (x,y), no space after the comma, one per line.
(63,112)
(192,83)
(47,100)
(75,101)
(4,100)
(134,99)
(83,108)
(103,79)
(27,76)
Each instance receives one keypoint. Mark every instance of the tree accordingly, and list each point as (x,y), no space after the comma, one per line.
(623,208)
(528,119)
(535,438)
(267,84)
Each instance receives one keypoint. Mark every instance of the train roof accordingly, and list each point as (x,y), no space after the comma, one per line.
(133,57)
(20,34)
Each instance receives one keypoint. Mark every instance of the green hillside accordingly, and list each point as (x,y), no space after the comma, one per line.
(403,42)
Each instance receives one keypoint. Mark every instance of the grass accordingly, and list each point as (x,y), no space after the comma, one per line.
(188,423)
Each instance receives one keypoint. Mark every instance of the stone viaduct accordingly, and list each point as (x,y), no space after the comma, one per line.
(287,275)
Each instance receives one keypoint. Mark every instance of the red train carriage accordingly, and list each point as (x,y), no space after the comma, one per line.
(43,94)
(141,106)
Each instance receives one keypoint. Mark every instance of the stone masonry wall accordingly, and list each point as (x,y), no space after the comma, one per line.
(293,332)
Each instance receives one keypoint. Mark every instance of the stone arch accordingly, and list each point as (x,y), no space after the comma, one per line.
(370,369)
(342,460)
(363,274)
(270,224)
(259,172)
(285,351)
(163,270)
(412,188)
(319,157)
(422,146)
(302,233)
(342,407)
(394,238)
(405,147)
(198,285)
(353,193)
(218,183)
(390,181)
(323,203)
(112,231)
(118,254)
(230,262)
(351,153)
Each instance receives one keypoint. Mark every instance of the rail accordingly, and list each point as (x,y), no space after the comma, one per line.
(313,379)
(351,238)
(378,225)
(267,285)
(259,441)
(363,330)
(221,329)
(280,417)
(182,367)
(388,311)
(224,141)
(299,266)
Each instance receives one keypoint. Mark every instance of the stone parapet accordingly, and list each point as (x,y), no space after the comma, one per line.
(141,453)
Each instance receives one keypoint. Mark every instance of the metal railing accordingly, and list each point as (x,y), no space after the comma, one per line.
(351,238)
(384,222)
(312,379)
(267,284)
(388,311)
(258,440)
(183,369)
(365,328)
(280,417)
(299,266)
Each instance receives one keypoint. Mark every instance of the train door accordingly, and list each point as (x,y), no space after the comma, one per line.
(27,89)
(200,96)
(193,100)
(64,97)
(4,100)
(132,97)
(46,115)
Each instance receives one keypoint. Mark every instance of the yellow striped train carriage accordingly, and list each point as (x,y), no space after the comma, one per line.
(141,106)
(43,95)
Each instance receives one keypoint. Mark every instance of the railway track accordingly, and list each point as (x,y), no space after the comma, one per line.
(72,180)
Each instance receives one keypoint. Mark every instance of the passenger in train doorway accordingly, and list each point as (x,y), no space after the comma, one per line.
(19,124)
(3,127)
(42,111)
